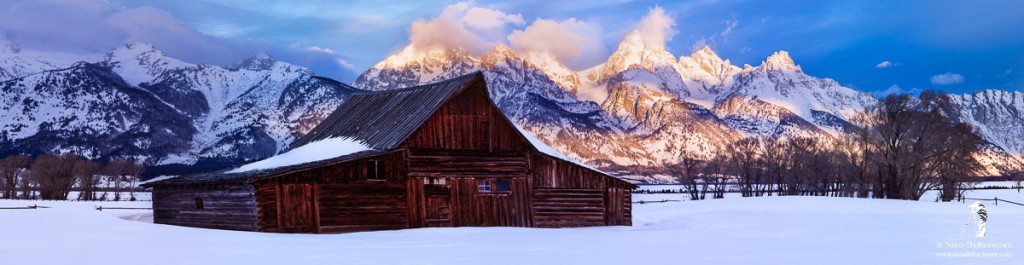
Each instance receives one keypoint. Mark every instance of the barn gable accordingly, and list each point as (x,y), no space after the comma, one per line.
(385,119)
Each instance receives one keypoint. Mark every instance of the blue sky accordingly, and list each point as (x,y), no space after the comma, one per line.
(874,46)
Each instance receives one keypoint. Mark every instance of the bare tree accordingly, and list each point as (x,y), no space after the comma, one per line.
(132,172)
(12,168)
(745,163)
(114,172)
(687,172)
(714,177)
(86,173)
(54,175)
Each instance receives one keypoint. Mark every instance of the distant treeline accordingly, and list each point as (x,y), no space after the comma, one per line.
(897,149)
(52,177)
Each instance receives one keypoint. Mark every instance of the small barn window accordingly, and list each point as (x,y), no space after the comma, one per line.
(502,185)
(199,204)
(493,186)
(483,185)
(375,170)
(437,181)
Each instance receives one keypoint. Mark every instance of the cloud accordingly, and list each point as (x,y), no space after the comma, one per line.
(655,29)
(340,59)
(463,26)
(885,64)
(483,18)
(97,26)
(573,42)
(947,79)
(729,25)
(895,89)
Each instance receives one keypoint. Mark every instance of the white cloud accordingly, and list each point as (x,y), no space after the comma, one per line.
(947,79)
(483,18)
(315,48)
(443,33)
(463,26)
(338,58)
(573,42)
(885,64)
(655,29)
(729,25)
(895,89)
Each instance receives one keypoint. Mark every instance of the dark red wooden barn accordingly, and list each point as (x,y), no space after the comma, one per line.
(440,155)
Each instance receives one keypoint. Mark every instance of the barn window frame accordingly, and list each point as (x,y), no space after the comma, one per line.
(200,205)
(494,185)
(375,170)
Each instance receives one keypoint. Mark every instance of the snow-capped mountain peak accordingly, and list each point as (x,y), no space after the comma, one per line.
(414,66)
(7,46)
(634,52)
(260,61)
(17,62)
(139,62)
(263,62)
(780,61)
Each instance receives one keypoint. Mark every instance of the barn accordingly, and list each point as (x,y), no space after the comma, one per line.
(437,155)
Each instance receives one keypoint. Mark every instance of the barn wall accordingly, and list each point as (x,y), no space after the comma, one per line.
(341,198)
(467,122)
(490,209)
(569,195)
(231,207)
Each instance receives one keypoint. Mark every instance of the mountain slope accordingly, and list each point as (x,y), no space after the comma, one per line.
(89,110)
(778,96)
(211,114)
(998,116)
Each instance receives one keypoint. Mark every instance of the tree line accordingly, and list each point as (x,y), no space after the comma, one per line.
(53,177)
(899,148)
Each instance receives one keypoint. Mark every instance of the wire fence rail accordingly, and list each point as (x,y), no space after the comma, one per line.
(101,208)
(995,199)
(30,207)
(661,201)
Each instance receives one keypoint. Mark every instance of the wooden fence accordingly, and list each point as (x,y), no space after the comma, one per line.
(996,200)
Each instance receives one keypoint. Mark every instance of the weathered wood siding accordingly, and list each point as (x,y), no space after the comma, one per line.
(467,122)
(428,163)
(569,195)
(342,198)
(231,207)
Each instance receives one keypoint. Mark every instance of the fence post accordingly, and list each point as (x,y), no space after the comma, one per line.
(997,201)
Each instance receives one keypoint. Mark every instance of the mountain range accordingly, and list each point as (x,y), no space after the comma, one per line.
(634,115)
(136,102)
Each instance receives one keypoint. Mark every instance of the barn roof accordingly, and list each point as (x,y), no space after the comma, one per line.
(382,120)
(385,119)
(225,177)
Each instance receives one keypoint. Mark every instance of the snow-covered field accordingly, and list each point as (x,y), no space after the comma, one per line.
(767,230)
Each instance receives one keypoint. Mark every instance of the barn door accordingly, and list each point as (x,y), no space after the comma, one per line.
(297,209)
(438,203)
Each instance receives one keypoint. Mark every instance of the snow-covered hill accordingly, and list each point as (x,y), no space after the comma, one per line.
(138,102)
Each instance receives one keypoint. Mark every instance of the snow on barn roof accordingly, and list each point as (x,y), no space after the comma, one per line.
(551,151)
(312,152)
